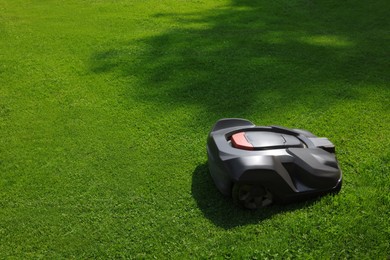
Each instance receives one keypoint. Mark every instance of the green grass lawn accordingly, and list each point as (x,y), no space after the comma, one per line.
(105,107)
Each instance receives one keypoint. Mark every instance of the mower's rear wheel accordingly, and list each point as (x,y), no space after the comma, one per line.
(251,196)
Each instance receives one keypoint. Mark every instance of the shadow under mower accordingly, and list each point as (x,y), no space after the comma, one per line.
(259,165)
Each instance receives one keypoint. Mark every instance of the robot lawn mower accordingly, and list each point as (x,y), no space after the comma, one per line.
(259,165)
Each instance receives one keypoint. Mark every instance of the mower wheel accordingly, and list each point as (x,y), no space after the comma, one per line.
(251,196)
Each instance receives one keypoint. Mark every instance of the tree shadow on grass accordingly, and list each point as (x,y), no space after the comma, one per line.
(256,56)
(252,56)
(221,210)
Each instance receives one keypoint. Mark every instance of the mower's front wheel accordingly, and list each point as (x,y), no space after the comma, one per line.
(251,196)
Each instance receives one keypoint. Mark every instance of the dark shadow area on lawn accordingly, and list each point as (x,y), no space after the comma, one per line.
(222,211)
(257,56)
(268,57)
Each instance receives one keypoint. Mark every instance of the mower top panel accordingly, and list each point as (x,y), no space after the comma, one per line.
(260,140)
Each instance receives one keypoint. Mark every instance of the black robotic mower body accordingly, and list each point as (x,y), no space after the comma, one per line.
(260,165)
